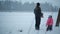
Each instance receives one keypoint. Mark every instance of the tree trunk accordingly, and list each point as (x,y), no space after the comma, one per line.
(58,18)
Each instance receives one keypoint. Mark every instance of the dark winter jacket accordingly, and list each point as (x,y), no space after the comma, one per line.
(37,11)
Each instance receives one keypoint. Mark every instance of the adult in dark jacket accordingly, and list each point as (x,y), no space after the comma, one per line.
(37,12)
(58,18)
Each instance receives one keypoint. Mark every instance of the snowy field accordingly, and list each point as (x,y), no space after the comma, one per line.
(13,22)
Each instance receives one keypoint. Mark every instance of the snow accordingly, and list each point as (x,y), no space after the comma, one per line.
(13,22)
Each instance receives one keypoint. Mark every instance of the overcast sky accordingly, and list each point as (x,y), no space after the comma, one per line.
(54,2)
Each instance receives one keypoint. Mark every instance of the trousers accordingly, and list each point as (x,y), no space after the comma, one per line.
(37,21)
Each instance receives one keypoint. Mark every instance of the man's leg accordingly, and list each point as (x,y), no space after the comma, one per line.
(39,22)
(36,24)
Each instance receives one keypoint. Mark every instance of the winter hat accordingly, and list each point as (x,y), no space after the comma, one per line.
(50,16)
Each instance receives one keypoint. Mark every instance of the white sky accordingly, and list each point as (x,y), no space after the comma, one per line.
(54,2)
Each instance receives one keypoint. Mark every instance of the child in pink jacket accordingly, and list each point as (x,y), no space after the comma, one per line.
(49,23)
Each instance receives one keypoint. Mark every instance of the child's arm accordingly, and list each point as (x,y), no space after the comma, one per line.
(51,22)
(47,22)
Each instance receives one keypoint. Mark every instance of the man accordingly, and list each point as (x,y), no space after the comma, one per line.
(38,14)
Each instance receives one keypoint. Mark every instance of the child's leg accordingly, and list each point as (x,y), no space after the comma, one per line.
(47,28)
(50,27)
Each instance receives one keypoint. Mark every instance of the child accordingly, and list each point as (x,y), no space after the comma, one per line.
(49,23)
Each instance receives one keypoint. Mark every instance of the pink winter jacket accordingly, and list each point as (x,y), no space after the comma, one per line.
(49,21)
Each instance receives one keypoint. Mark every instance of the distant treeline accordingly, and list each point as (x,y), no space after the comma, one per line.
(10,5)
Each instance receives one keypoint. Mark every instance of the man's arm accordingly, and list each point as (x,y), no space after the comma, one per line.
(34,11)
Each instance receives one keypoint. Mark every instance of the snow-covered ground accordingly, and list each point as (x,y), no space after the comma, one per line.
(13,22)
